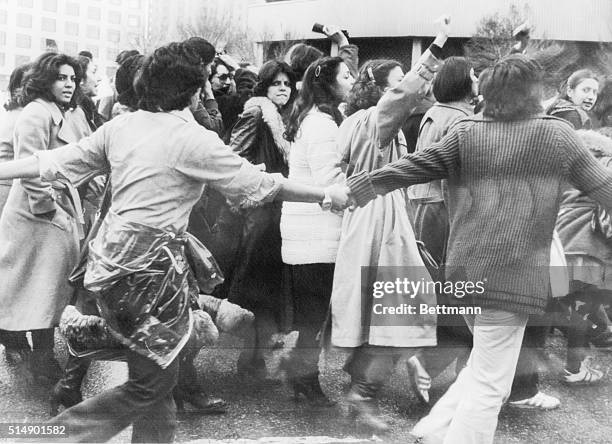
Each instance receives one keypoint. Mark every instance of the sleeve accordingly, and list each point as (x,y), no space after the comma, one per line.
(350,56)
(76,162)
(322,155)
(585,172)
(234,177)
(398,103)
(244,132)
(438,161)
(207,114)
(32,136)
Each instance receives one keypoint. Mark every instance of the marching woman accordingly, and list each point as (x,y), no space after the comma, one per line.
(255,281)
(310,234)
(16,347)
(377,240)
(159,160)
(39,232)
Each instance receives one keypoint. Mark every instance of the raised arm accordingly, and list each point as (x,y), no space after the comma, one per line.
(399,102)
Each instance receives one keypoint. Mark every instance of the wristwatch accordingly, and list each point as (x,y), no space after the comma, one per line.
(326,203)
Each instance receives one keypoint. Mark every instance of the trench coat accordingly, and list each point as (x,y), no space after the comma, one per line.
(37,253)
(7,126)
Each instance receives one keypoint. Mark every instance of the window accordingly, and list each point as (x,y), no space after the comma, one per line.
(2,16)
(50,5)
(134,20)
(2,38)
(21,59)
(71,48)
(23,41)
(111,53)
(2,58)
(24,20)
(48,45)
(48,24)
(93,32)
(134,4)
(113,36)
(72,28)
(114,17)
(94,13)
(72,9)
(25,3)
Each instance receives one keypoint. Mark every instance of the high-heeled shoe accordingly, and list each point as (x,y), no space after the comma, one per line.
(366,413)
(64,396)
(310,389)
(203,404)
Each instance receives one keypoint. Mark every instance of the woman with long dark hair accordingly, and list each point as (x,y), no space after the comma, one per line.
(310,233)
(39,232)
(506,171)
(159,160)
(255,280)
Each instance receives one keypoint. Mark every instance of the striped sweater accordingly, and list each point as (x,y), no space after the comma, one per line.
(505,182)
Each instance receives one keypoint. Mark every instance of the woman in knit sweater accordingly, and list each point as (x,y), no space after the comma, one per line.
(310,235)
(506,171)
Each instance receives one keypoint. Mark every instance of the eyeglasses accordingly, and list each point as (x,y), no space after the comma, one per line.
(224,77)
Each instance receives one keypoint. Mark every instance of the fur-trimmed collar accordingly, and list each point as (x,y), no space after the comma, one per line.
(273,119)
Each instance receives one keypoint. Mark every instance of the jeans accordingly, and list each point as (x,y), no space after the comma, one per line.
(145,401)
(467,412)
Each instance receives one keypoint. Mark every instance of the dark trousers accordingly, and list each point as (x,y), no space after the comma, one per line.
(145,401)
(311,291)
(526,378)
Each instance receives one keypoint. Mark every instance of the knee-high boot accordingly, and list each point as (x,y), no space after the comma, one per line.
(67,391)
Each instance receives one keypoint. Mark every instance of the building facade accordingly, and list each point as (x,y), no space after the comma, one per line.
(103,27)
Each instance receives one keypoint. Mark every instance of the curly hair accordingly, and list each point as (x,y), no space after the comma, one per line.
(513,89)
(202,47)
(267,74)
(41,76)
(367,91)
(14,86)
(168,79)
(318,89)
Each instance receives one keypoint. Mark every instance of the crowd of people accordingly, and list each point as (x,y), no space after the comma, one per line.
(302,183)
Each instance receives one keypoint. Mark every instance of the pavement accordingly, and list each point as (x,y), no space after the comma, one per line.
(265,414)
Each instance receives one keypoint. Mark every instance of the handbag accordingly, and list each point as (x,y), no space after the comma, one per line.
(601,223)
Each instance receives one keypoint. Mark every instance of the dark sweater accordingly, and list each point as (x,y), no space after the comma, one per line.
(505,182)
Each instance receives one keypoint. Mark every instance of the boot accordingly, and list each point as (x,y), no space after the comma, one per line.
(309,387)
(44,368)
(366,412)
(205,405)
(67,391)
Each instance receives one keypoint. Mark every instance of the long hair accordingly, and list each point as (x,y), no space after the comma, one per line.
(14,87)
(267,74)
(453,82)
(513,89)
(168,79)
(370,84)
(43,72)
(318,89)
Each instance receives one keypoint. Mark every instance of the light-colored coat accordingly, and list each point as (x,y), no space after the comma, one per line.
(36,253)
(7,127)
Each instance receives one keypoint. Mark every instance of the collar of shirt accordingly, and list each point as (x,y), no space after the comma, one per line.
(184,114)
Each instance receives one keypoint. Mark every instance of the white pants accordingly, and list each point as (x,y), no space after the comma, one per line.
(467,412)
